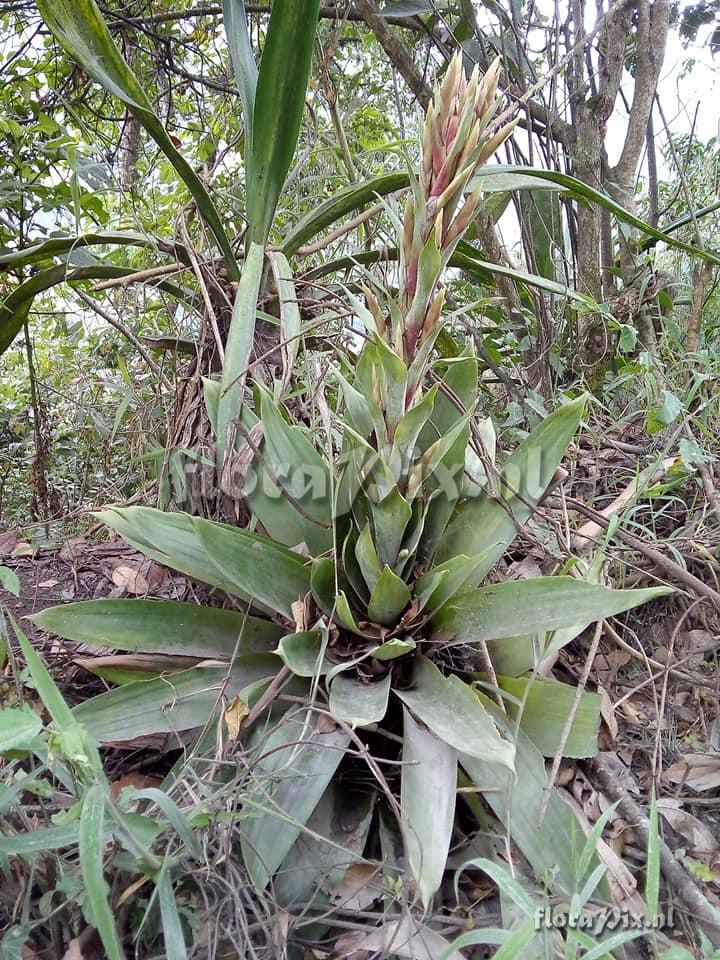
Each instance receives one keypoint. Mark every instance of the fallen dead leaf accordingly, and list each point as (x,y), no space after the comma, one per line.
(141,662)
(129,579)
(607,713)
(8,540)
(235,715)
(74,950)
(325,724)
(46,584)
(133,779)
(699,835)
(356,891)
(22,549)
(405,938)
(699,771)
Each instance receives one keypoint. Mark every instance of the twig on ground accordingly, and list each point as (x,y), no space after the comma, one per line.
(610,773)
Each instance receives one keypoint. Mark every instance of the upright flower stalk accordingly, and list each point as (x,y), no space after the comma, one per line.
(455,144)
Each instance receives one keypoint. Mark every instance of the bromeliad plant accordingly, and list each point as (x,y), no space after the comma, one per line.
(365,591)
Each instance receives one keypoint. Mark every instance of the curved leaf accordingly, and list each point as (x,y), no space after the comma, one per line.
(279,105)
(452,710)
(160,626)
(546,705)
(59,246)
(516,607)
(389,598)
(427,804)
(170,704)
(298,761)
(91,851)
(359,704)
(216,554)
(584,193)
(243,61)
(302,472)
(81,30)
(517,801)
(339,205)
(483,523)
(255,566)
(303,653)
(15,307)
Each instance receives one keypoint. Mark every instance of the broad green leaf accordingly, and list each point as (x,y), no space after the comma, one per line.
(170,704)
(334,840)
(390,374)
(339,205)
(394,648)
(323,584)
(91,854)
(303,653)
(303,473)
(290,317)
(255,566)
(243,62)
(279,105)
(9,581)
(461,381)
(18,728)
(427,804)
(586,194)
(517,800)
(58,246)
(79,27)
(162,626)
(546,707)
(288,784)
(367,557)
(452,710)
(215,554)
(169,538)
(542,215)
(530,606)
(483,521)
(239,346)
(408,431)
(356,703)
(442,582)
(389,598)
(390,519)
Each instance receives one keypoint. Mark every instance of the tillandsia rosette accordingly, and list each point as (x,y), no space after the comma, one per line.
(365,582)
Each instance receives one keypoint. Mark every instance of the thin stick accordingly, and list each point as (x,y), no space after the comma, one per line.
(564,736)
(140,276)
(127,333)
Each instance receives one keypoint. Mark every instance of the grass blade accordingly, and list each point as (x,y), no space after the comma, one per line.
(172,927)
(91,866)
